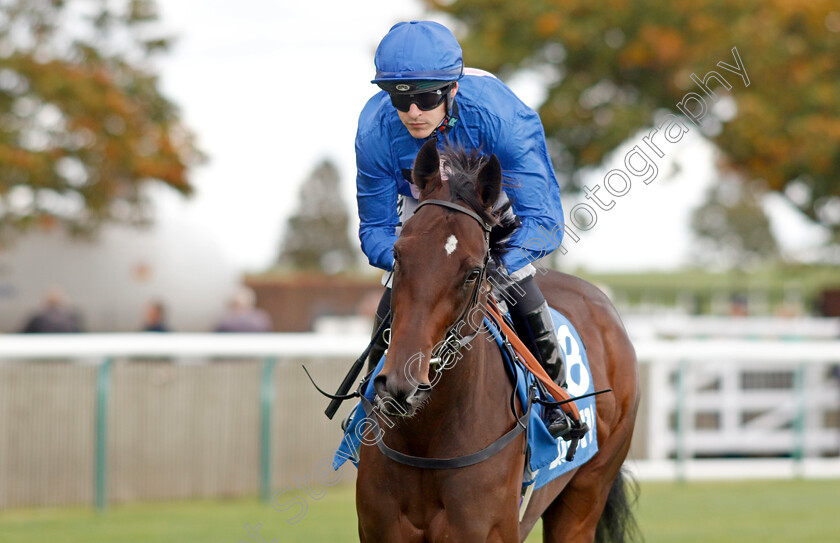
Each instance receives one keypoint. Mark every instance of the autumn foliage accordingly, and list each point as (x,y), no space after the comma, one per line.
(85,125)
(613,66)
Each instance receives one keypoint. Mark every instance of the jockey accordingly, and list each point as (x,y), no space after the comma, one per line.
(427,93)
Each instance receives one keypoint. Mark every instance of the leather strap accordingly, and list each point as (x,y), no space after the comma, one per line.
(448,463)
(353,373)
(452,339)
(451,205)
(558,392)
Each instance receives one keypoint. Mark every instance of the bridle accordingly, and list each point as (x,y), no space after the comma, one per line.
(453,341)
(449,348)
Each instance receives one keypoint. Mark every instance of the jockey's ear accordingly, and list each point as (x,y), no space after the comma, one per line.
(426,173)
(490,181)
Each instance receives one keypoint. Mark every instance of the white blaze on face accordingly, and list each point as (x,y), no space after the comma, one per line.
(451,243)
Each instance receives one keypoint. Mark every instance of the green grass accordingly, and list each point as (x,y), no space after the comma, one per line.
(765,512)
(742,512)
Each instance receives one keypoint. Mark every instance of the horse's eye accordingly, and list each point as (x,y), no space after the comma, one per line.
(473,276)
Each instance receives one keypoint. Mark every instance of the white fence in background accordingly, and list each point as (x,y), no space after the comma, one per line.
(681,326)
(714,400)
(739,408)
(711,408)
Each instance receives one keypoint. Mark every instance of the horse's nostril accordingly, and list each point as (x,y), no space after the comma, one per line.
(380,385)
(420,394)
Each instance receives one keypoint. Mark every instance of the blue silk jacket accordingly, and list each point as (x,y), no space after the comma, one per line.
(489,118)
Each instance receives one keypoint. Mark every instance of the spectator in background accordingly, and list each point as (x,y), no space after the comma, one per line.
(243,316)
(154,317)
(54,317)
(738,306)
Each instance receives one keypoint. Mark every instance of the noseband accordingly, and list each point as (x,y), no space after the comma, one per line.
(453,342)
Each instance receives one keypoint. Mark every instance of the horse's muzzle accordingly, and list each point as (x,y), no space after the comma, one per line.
(399,401)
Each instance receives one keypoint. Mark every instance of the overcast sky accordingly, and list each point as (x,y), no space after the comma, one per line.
(271,88)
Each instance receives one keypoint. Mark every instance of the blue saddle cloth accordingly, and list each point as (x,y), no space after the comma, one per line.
(547,456)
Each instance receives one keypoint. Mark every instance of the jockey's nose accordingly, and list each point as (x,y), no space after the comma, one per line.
(414,110)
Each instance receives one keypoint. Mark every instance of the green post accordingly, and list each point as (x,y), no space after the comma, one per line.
(681,417)
(103,391)
(799,418)
(266,405)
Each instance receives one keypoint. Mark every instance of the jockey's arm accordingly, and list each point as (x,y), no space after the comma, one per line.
(531,185)
(376,195)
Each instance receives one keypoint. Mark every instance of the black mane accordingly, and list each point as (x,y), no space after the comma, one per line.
(462,167)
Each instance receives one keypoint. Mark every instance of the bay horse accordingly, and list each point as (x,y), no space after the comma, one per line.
(440,255)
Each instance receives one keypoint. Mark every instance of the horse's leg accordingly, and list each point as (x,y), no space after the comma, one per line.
(504,536)
(573,517)
(379,514)
(362,538)
(504,532)
(487,511)
(540,500)
(391,528)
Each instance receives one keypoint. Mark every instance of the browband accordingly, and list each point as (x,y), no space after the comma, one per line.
(459,208)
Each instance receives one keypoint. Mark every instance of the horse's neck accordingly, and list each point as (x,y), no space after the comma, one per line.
(457,388)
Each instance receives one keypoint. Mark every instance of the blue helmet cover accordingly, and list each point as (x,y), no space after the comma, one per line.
(418,51)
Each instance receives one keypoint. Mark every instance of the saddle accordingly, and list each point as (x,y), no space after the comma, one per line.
(560,396)
(527,358)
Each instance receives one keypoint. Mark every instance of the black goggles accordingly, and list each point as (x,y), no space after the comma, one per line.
(426,101)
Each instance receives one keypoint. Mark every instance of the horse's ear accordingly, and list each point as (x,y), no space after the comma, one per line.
(490,181)
(426,173)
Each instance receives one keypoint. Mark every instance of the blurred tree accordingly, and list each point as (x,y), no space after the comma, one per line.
(611,65)
(732,227)
(316,235)
(84,122)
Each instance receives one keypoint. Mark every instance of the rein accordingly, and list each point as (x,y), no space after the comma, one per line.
(448,463)
(343,393)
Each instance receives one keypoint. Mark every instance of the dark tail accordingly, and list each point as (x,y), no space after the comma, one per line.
(617,524)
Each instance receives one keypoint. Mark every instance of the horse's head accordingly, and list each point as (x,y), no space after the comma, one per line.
(440,263)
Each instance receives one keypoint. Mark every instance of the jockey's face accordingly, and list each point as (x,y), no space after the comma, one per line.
(421,124)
